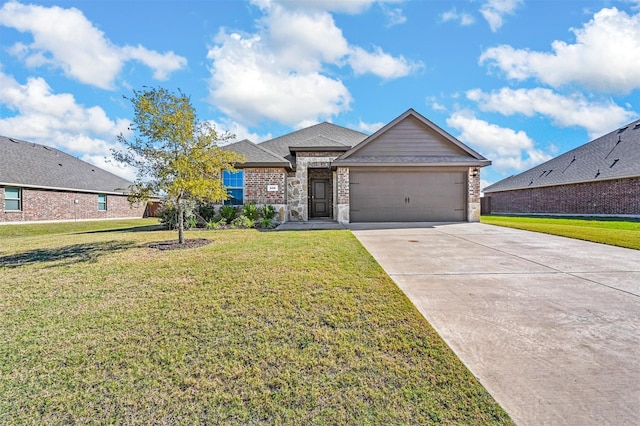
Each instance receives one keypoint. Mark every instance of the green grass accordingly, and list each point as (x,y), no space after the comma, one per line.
(623,233)
(33,229)
(255,328)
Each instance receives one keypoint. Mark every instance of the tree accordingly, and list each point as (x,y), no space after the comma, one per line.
(174,153)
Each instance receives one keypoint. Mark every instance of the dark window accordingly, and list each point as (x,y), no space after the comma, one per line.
(102,202)
(233,182)
(13,199)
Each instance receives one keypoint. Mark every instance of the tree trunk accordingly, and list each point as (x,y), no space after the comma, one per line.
(180,222)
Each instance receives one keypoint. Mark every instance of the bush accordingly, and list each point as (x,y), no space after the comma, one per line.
(168,213)
(216,224)
(206,212)
(266,224)
(192,222)
(251,211)
(228,213)
(243,222)
(268,212)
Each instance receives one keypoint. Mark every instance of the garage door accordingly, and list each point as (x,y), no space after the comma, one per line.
(407,196)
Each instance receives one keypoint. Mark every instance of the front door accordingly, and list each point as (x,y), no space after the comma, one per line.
(320,198)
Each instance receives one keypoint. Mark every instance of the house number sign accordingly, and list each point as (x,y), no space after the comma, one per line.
(272,188)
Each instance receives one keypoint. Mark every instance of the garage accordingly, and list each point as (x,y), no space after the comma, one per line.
(408,195)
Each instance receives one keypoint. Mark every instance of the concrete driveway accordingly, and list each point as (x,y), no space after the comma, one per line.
(549,325)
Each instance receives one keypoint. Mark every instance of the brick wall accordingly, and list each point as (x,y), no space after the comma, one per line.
(610,197)
(342,175)
(40,204)
(256,181)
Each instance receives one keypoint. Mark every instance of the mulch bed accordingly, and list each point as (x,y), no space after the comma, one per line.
(175,245)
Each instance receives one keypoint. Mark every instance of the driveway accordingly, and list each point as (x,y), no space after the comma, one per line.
(549,325)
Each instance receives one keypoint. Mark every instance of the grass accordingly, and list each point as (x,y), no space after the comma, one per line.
(623,233)
(255,328)
(33,229)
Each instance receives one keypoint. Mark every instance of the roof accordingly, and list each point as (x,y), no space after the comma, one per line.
(460,154)
(612,156)
(256,155)
(27,164)
(326,134)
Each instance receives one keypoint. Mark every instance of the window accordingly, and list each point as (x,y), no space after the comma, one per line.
(13,199)
(233,182)
(102,202)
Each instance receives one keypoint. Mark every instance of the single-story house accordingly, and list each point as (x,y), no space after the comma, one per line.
(38,182)
(601,177)
(408,171)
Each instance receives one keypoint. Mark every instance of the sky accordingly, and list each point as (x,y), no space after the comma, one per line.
(519,81)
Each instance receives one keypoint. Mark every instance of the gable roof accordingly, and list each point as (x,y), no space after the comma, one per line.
(612,156)
(256,155)
(424,144)
(30,165)
(327,134)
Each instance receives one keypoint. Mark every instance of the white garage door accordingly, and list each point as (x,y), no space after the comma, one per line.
(407,196)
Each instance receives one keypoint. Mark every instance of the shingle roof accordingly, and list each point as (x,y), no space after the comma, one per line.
(332,135)
(29,164)
(256,154)
(614,155)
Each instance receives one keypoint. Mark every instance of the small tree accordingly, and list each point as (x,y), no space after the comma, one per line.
(174,152)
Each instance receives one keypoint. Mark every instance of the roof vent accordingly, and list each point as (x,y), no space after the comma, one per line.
(637,126)
(47,148)
(622,130)
(531,183)
(13,140)
(549,172)
(597,174)
(60,164)
(543,172)
(614,162)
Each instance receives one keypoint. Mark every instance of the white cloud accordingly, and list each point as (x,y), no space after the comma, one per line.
(395,15)
(508,149)
(248,84)
(317,39)
(381,64)
(464,19)
(239,131)
(604,56)
(565,111)
(65,39)
(57,120)
(494,10)
(369,127)
(265,75)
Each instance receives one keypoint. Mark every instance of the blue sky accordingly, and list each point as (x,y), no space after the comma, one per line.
(520,81)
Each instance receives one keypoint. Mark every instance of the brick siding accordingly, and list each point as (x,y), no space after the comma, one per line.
(40,204)
(610,197)
(256,181)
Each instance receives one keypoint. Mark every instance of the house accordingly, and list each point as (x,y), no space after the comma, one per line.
(38,183)
(408,171)
(601,177)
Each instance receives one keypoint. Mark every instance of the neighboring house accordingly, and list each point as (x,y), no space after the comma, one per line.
(408,171)
(601,177)
(42,183)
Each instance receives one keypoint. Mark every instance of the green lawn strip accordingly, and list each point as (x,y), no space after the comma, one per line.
(257,327)
(35,229)
(623,233)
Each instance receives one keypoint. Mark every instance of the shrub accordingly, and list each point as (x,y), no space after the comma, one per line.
(168,213)
(242,222)
(192,222)
(228,213)
(251,211)
(266,223)
(207,212)
(216,224)
(268,212)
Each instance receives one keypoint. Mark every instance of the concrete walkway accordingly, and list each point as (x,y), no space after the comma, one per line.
(549,325)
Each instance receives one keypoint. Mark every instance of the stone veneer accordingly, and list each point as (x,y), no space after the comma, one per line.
(473,198)
(341,212)
(43,204)
(298,182)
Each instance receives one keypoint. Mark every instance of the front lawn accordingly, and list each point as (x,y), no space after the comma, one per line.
(623,233)
(254,328)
